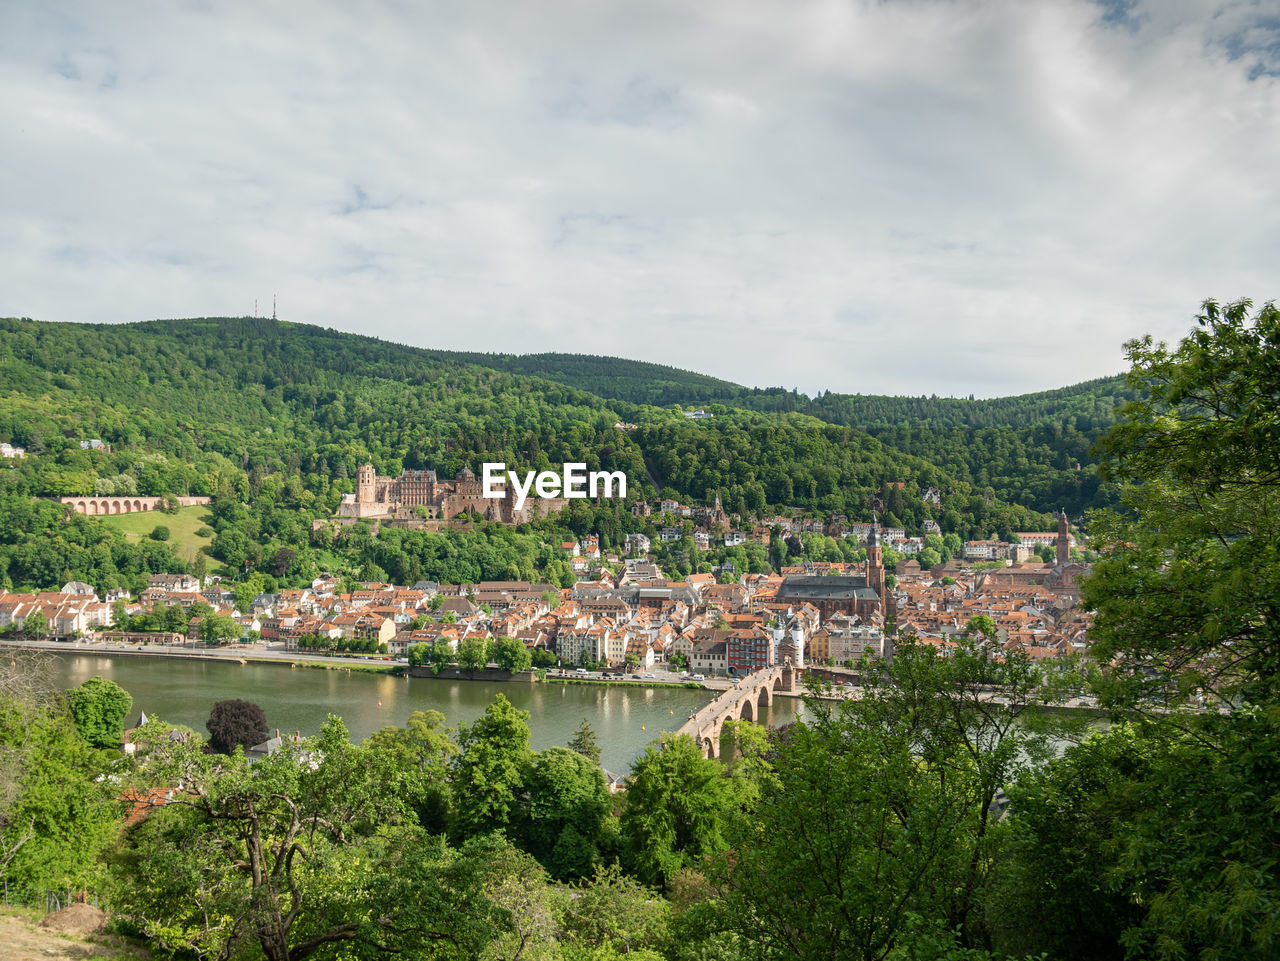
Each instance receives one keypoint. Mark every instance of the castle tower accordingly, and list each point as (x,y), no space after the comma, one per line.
(1064,540)
(875,562)
(366,484)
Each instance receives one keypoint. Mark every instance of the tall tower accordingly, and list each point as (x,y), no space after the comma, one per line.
(875,562)
(366,484)
(1064,540)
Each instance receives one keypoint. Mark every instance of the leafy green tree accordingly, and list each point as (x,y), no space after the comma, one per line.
(36,625)
(283,856)
(216,628)
(584,742)
(511,654)
(877,814)
(676,810)
(420,752)
(1187,592)
(440,655)
(57,814)
(99,708)
(563,822)
(613,916)
(488,772)
(159,533)
(235,723)
(473,653)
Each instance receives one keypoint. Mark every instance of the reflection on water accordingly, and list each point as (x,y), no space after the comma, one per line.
(625,718)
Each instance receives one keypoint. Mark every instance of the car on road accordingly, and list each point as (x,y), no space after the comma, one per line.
(699,677)
(650,675)
(581,670)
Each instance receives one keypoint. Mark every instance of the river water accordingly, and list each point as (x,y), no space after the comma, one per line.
(624,718)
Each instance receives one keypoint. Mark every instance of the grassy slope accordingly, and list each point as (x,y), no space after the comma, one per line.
(182,526)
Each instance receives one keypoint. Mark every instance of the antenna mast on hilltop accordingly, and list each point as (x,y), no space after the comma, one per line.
(273,306)
(255,306)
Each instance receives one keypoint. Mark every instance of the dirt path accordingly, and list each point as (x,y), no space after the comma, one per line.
(21,940)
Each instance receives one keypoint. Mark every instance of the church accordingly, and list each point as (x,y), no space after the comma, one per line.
(859,596)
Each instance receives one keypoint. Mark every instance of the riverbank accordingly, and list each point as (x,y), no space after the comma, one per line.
(224,655)
(296,659)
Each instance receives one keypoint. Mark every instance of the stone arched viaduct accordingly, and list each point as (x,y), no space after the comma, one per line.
(98,506)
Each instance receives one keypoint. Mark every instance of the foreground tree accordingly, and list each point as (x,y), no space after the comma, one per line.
(99,707)
(564,820)
(678,803)
(1181,834)
(57,813)
(420,751)
(584,742)
(488,772)
(294,855)
(1187,591)
(236,723)
(874,824)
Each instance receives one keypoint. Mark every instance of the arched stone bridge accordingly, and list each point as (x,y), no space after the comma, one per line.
(749,699)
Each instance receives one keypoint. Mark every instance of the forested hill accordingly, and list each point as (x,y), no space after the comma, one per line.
(1085,406)
(1023,448)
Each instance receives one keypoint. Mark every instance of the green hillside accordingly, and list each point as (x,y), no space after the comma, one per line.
(1023,448)
(278,416)
(184,528)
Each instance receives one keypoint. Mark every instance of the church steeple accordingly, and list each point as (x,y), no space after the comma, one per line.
(875,562)
(1064,540)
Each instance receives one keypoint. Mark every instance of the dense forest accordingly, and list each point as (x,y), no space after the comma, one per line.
(1033,449)
(272,419)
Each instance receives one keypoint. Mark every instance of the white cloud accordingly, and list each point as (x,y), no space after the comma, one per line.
(912,197)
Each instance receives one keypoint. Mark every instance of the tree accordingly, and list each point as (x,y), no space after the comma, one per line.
(236,723)
(36,625)
(440,655)
(488,771)
(511,655)
(676,810)
(584,742)
(291,855)
(99,708)
(216,628)
(473,653)
(563,822)
(420,752)
(57,814)
(159,533)
(1187,591)
(877,814)
(1187,595)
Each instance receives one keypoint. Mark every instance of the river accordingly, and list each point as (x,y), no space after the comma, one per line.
(625,718)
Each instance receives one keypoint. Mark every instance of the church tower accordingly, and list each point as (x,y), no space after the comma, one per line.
(875,563)
(1064,540)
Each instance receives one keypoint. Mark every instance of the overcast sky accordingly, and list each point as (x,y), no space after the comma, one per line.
(899,197)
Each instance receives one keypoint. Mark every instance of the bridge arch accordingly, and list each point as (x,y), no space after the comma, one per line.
(748,710)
